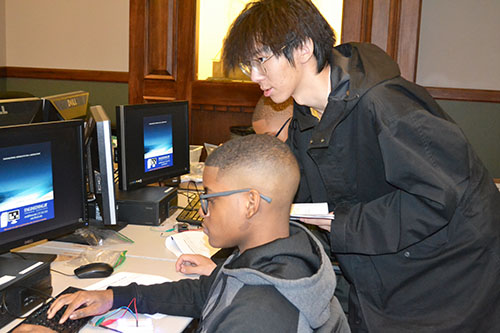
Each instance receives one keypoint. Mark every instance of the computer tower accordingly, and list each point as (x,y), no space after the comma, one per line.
(149,205)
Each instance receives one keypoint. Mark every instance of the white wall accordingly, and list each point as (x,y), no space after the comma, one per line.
(66,34)
(459,44)
(2,33)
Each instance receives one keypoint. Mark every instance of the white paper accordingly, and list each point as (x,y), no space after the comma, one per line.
(317,210)
(125,278)
(190,242)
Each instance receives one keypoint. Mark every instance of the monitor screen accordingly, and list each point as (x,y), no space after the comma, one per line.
(99,166)
(20,111)
(42,193)
(153,143)
(71,105)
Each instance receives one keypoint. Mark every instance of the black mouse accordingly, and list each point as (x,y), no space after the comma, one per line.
(94,270)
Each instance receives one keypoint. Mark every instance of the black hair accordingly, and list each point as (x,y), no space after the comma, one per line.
(278,26)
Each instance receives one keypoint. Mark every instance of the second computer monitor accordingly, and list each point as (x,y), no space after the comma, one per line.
(20,111)
(70,105)
(153,143)
(99,167)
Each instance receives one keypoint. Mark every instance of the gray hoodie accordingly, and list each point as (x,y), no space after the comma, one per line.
(283,286)
(298,270)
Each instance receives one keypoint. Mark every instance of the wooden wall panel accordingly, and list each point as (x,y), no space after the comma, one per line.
(409,31)
(64,74)
(212,124)
(163,63)
(380,23)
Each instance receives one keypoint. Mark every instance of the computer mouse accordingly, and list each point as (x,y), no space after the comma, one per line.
(94,270)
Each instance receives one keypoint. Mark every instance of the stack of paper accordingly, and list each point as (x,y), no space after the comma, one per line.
(317,210)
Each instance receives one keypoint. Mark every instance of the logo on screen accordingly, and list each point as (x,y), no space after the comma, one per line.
(158,144)
(26,185)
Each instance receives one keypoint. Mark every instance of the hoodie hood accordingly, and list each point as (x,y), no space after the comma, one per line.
(355,69)
(366,64)
(310,281)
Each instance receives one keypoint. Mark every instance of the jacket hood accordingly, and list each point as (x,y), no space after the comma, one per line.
(355,69)
(297,266)
(366,64)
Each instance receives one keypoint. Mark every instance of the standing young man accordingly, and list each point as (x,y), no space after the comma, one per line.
(417,220)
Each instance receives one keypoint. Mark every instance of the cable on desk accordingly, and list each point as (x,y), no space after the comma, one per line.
(121,259)
(192,194)
(62,273)
(102,322)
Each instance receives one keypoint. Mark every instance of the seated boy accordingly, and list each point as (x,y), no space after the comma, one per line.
(279,278)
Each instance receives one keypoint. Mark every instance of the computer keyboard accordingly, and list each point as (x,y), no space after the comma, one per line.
(39,317)
(190,213)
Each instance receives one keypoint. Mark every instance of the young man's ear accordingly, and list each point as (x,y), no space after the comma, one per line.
(252,204)
(305,51)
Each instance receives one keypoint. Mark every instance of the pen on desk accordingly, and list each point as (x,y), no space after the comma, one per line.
(109,328)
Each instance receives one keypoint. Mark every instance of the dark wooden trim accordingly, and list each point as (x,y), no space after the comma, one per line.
(137,48)
(65,74)
(380,24)
(244,94)
(471,95)
(393,26)
(408,37)
(3,71)
(352,21)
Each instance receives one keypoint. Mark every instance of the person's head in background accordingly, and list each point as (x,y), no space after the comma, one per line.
(267,173)
(282,45)
(271,118)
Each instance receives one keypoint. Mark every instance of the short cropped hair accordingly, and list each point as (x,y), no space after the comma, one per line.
(278,26)
(252,152)
(267,109)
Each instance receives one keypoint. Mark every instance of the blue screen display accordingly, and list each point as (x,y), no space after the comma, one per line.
(26,185)
(158,147)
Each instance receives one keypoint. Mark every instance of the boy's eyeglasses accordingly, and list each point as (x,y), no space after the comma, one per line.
(282,127)
(204,197)
(257,65)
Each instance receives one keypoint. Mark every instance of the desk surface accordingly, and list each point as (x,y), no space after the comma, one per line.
(147,255)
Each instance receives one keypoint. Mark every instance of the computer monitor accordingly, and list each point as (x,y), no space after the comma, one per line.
(99,167)
(70,105)
(153,143)
(20,111)
(42,192)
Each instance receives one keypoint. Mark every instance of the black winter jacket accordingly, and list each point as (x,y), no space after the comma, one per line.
(417,216)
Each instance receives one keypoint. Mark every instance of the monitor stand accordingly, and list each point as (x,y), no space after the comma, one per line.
(95,233)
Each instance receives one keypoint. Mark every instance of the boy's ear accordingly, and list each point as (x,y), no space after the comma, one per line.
(252,204)
(305,51)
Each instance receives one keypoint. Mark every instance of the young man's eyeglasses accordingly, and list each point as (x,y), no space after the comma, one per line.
(257,65)
(204,197)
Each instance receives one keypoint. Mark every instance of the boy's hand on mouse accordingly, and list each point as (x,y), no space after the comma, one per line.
(95,303)
(325,224)
(195,264)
